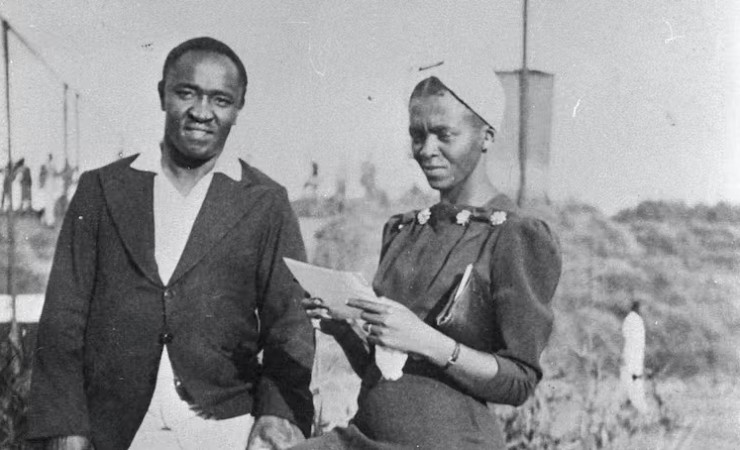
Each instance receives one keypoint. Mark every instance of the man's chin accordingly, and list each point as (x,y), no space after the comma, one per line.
(194,156)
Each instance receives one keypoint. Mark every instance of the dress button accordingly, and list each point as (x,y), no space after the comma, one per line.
(165,338)
(168,294)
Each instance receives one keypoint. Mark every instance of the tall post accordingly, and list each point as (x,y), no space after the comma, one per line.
(523,112)
(14,330)
(77,130)
(66,127)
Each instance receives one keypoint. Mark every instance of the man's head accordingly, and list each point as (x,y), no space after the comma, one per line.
(201,92)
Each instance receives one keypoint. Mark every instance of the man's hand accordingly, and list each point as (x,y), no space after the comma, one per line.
(68,443)
(273,433)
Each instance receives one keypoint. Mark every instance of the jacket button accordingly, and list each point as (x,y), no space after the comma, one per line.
(168,294)
(165,338)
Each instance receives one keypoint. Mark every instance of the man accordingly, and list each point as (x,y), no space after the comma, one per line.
(26,185)
(48,185)
(633,359)
(168,281)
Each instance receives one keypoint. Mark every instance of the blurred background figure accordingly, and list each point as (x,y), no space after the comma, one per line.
(11,172)
(26,182)
(311,186)
(47,183)
(633,358)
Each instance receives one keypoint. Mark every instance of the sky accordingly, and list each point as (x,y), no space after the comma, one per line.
(645,102)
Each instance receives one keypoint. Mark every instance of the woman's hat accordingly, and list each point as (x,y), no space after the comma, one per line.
(474,83)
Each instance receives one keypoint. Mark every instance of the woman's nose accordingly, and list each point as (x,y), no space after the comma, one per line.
(429,147)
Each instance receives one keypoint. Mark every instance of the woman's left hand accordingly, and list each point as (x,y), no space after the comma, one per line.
(393,325)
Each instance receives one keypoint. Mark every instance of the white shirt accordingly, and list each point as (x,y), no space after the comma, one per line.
(633,331)
(174,216)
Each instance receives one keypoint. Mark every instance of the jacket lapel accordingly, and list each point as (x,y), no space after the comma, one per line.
(225,204)
(129,194)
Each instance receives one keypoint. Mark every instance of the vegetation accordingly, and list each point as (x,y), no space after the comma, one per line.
(681,262)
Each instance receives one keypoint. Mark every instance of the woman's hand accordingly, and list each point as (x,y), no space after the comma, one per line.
(393,325)
(316,310)
(354,348)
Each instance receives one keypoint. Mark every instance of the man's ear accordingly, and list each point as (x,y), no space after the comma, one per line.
(160,89)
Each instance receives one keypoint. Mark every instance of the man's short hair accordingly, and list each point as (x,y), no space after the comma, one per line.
(205,44)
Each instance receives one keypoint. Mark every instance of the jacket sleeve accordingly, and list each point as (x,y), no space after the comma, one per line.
(58,405)
(525,272)
(286,334)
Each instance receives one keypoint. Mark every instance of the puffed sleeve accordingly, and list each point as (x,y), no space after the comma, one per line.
(525,271)
(392,227)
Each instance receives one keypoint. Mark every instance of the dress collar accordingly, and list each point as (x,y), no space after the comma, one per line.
(227,163)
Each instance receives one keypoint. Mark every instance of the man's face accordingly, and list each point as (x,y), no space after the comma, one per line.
(444,139)
(201,97)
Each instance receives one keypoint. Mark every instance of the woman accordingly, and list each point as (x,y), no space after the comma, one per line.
(453,369)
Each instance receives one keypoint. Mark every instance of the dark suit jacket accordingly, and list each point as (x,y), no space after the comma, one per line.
(107,314)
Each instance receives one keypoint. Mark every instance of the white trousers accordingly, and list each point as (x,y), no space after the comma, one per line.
(171,424)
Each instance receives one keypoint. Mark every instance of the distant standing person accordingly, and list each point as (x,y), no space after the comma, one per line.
(10,174)
(48,185)
(26,185)
(633,358)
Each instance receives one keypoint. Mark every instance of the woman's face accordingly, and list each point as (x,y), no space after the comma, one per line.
(445,139)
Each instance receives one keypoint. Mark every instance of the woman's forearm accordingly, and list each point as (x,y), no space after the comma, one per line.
(354,348)
(479,373)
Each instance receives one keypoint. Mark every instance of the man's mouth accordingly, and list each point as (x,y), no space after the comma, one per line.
(198,132)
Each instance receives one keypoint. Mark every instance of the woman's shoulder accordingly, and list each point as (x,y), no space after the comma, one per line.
(398,221)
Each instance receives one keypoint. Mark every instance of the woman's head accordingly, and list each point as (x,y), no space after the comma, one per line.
(448,139)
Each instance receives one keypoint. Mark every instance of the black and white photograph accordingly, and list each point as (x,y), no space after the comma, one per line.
(370,225)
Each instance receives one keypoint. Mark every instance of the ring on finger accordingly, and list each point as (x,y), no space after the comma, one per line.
(368,327)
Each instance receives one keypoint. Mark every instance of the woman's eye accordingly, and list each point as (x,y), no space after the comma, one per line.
(417,142)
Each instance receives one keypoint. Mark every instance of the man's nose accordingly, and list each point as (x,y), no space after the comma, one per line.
(201,109)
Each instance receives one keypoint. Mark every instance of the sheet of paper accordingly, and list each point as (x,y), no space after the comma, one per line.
(335,287)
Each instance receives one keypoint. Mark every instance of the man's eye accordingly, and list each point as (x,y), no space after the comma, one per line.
(184,94)
(444,136)
(223,101)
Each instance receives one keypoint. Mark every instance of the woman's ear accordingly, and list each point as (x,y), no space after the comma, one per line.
(489,137)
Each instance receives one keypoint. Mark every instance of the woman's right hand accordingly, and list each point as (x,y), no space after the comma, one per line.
(316,309)
(347,336)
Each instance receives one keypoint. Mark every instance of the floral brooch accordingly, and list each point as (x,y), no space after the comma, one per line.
(463,217)
(423,216)
(498,217)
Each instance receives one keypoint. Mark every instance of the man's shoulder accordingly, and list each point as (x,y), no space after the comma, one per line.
(255,177)
(112,168)
(118,165)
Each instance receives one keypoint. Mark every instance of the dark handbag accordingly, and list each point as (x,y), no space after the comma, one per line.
(468,315)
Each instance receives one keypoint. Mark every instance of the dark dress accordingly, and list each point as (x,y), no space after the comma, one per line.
(517,261)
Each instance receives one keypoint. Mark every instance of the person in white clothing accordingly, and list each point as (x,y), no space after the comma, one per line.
(632,374)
